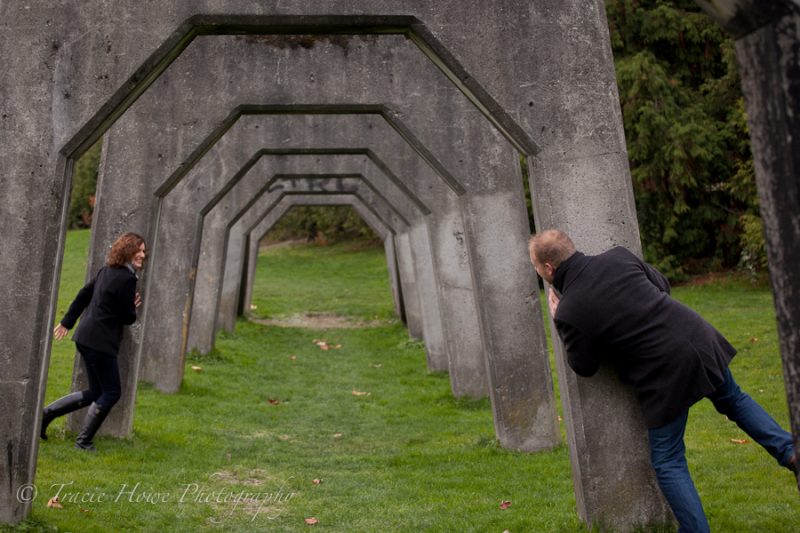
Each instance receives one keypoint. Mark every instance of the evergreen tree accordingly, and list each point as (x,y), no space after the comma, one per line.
(687,136)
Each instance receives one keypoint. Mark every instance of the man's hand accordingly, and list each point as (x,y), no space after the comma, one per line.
(59,332)
(552,302)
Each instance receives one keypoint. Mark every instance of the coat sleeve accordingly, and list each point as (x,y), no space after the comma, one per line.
(125,307)
(77,306)
(583,355)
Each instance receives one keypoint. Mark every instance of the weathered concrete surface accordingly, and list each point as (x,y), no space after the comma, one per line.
(67,58)
(260,231)
(769,65)
(408,279)
(580,183)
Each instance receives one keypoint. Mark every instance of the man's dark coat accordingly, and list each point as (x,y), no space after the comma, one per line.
(616,307)
(109,303)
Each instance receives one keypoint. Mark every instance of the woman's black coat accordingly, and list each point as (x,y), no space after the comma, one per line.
(616,307)
(108,301)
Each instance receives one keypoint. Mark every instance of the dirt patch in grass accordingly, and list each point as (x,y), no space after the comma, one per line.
(319,321)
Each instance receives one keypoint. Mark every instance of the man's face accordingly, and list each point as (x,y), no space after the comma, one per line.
(545,270)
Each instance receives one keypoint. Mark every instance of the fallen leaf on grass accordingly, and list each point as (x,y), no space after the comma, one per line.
(292,357)
(53,503)
(284,437)
(359,393)
(311,521)
(739,441)
(87,511)
(253,306)
(197,368)
(273,401)
(323,345)
(338,435)
(505,504)
(316,481)
(373,365)
(754,339)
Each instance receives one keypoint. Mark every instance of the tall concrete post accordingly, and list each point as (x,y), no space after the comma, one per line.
(427,286)
(580,183)
(411,289)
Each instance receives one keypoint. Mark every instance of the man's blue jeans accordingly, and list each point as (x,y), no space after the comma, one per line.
(668,453)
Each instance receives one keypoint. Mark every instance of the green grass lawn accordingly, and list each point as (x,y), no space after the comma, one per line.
(239,447)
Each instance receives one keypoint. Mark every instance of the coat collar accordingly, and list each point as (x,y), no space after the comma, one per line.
(130,267)
(569,270)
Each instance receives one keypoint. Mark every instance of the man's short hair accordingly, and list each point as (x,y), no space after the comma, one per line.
(551,246)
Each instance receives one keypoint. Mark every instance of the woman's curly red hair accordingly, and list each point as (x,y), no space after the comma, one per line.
(123,249)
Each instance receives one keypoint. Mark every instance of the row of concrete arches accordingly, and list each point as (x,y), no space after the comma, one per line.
(446,161)
(432,103)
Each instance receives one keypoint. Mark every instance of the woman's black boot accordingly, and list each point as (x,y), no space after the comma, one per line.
(67,404)
(94,418)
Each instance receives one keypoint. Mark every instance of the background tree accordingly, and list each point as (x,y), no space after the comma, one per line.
(687,137)
(322,224)
(84,186)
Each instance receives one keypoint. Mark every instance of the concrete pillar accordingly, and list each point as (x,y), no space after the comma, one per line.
(411,290)
(580,183)
(427,288)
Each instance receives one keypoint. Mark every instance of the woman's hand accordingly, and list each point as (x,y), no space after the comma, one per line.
(137,301)
(59,332)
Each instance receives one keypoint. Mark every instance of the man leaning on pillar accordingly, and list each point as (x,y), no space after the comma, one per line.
(615,307)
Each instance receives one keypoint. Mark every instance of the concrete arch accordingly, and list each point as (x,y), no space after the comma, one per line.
(171,296)
(334,133)
(216,241)
(285,205)
(320,184)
